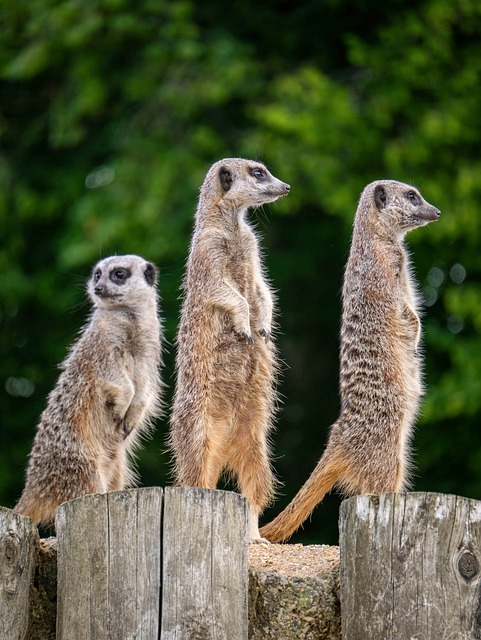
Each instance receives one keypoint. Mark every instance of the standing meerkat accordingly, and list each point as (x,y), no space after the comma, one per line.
(380,362)
(224,397)
(106,396)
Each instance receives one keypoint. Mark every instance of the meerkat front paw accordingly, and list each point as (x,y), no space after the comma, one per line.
(122,428)
(264,317)
(265,333)
(133,418)
(244,335)
(127,428)
(242,329)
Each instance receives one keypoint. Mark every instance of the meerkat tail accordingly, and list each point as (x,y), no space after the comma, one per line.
(320,482)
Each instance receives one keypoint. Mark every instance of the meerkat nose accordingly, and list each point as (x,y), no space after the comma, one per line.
(287,187)
(99,289)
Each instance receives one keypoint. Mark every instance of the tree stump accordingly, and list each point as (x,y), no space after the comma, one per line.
(410,567)
(18,540)
(294,592)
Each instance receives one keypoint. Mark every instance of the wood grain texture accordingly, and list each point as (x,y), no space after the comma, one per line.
(410,567)
(18,542)
(204,591)
(109,566)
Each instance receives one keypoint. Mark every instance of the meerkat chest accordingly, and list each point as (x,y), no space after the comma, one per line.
(135,346)
(242,256)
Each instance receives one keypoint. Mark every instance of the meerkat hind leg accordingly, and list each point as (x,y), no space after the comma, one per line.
(202,466)
(117,473)
(248,459)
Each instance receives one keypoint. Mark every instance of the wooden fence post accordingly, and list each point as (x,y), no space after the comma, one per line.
(18,540)
(109,566)
(130,569)
(410,567)
(205,585)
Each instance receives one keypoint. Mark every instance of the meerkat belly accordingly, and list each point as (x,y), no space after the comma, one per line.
(239,366)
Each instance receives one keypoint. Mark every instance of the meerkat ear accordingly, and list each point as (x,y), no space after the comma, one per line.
(380,196)
(225,177)
(150,274)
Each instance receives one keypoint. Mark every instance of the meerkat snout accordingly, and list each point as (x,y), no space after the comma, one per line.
(284,188)
(433,214)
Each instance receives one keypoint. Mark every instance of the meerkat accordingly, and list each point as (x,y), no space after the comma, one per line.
(106,396)
(380,361)
(224,398)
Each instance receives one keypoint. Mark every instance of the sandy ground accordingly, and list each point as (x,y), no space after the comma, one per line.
(294,559)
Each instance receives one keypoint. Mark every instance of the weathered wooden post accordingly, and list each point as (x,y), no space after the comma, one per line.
(410,567)
(204,591)
(145,565)
(109,566)
(18,540)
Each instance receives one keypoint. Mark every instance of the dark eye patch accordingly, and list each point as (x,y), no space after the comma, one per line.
(413,197)
(97,275)
(259,174)
(119,276)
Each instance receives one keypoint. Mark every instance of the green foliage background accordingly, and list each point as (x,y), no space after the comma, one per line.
(111,113)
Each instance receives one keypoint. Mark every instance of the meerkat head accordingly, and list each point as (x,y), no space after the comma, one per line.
(123,281)
(396,208)
(245,183)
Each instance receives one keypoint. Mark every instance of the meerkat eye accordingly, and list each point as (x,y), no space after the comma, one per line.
(413,197)
(258,173)
(97,275)
(119,276)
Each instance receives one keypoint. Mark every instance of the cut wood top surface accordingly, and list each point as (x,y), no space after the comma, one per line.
(286,559)
(294,559)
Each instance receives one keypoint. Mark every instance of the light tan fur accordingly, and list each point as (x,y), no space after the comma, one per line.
(226,363)
(106,396)
(380,361)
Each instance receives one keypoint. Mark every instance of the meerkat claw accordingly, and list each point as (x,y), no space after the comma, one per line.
(127,428)
(265,333)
